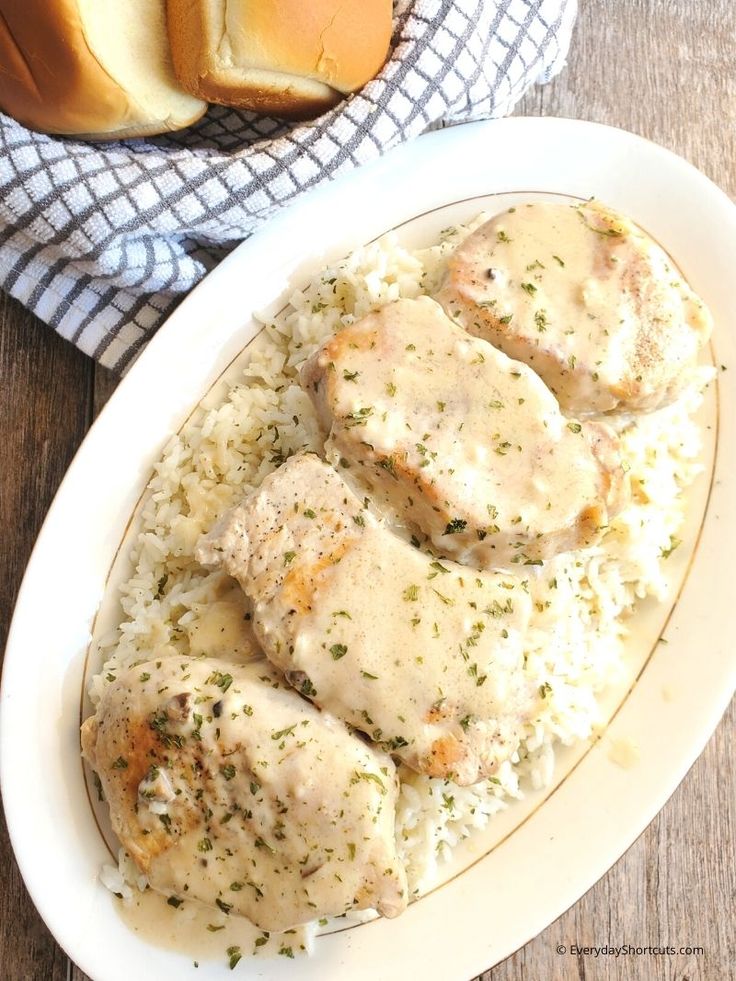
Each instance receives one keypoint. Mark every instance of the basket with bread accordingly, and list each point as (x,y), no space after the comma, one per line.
(112,69)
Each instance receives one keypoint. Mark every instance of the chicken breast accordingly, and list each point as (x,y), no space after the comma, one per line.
(585,298)
(423,656)
(461,441)
(227,788)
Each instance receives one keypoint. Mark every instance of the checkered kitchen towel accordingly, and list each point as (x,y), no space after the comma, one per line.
(102,240)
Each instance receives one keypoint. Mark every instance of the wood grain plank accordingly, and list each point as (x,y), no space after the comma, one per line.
(661,69)
(45,408)
(104,384)
(45,405)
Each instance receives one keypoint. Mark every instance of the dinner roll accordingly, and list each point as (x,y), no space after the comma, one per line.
(288,58)
(93,68)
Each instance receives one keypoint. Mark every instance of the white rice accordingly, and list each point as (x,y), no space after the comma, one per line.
(575,644)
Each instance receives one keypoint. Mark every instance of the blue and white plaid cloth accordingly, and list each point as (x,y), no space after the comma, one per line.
(102,240)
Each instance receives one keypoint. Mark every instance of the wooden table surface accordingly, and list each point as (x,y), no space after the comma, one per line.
(665,69)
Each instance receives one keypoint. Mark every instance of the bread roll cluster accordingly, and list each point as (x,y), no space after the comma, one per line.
(111,69)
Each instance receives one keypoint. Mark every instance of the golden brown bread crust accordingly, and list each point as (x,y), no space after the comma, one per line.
(50,80)
(263,95)
(284,57)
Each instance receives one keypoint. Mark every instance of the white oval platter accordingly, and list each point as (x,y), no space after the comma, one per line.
(537,862)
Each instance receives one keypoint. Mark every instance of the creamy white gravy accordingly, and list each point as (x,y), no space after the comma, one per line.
(585,298)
